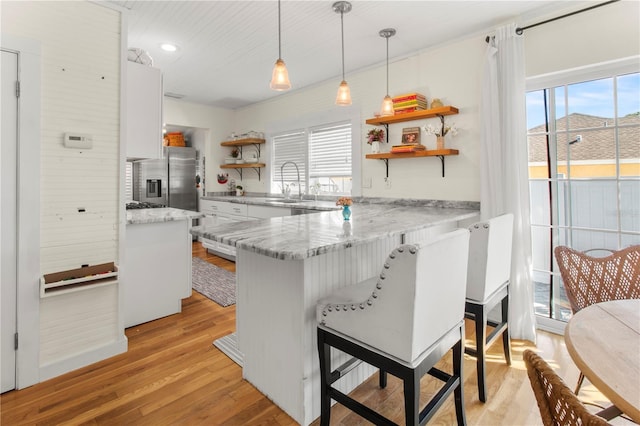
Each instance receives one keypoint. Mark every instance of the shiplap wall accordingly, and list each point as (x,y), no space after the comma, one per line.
(80,92)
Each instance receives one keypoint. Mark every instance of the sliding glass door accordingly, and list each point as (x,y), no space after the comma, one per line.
(584,172)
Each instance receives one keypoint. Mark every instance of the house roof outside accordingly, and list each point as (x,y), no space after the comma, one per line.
(598,138)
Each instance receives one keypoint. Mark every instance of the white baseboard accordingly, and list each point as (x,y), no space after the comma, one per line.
(58,368)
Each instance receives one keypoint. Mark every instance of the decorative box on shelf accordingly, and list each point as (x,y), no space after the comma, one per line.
(78,279)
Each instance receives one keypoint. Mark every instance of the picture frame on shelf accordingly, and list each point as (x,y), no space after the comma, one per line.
(411,135)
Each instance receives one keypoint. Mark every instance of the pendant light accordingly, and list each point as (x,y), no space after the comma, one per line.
(387,102)
(280,77)
(344,94)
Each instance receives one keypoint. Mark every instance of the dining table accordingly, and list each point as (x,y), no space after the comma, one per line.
(604,342)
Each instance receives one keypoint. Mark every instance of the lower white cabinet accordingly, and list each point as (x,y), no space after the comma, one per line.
(221,212)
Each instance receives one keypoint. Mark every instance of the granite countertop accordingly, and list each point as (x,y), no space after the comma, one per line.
(165,214)
(276,202)
(303,236)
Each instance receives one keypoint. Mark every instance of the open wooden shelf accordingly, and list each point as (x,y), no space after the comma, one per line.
(440,153)
(410,116)
(239,167)
(425,153)
(242,166)
(242,142)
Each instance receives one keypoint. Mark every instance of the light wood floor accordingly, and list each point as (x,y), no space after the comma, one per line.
(173,375)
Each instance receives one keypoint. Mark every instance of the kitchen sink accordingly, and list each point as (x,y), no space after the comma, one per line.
(287,200)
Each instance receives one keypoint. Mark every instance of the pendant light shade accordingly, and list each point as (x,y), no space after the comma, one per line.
(387,106)
(280,77)
(344,93)
(387,103)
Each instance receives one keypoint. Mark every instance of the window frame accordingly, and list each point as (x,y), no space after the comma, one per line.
(311,122)
(551,81)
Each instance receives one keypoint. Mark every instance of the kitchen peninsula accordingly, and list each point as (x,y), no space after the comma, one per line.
(156,272)
(285,264)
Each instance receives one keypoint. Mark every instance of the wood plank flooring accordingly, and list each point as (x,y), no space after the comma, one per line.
(173,375)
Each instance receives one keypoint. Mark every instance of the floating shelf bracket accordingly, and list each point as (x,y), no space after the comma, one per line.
(386,129)
(257,170)
(386,163)
(256,146)
(441,157)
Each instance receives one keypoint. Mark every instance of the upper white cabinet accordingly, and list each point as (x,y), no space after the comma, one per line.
(144,111)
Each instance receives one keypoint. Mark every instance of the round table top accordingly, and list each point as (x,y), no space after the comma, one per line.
(604,342)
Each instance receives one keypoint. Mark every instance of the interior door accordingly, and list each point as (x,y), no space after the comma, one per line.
(8,219)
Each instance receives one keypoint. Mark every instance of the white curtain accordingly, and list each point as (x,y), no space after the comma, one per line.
(504,184)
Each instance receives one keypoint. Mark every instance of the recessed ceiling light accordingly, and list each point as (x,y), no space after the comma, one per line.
(168,47)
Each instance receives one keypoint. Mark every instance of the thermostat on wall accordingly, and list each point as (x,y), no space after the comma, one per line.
(77,140)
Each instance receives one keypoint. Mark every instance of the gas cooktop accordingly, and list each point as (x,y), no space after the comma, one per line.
(143,205)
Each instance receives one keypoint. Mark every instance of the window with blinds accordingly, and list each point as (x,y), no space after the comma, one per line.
(289,147)
(323,156)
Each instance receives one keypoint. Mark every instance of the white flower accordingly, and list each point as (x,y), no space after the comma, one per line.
(442,129)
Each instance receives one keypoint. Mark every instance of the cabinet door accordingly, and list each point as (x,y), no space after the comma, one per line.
(144,111)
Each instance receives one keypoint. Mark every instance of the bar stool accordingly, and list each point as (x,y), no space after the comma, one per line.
(402,322)
(487,285)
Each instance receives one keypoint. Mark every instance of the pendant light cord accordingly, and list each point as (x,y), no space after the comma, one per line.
(279,42)
(342,32)
(387,66)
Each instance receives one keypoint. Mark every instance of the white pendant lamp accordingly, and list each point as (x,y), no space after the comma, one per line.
(280,78)
(387,102)
(344,94)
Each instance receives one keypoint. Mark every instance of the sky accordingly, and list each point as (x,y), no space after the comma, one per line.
(594,97)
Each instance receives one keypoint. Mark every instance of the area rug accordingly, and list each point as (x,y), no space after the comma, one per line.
(213,282)
(229,346)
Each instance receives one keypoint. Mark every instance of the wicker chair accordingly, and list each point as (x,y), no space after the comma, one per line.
(557,403)
(588,280)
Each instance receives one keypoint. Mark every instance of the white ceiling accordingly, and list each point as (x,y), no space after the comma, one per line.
(228,48)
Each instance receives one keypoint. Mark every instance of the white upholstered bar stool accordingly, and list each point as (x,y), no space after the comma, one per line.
(402,322)
(487,285)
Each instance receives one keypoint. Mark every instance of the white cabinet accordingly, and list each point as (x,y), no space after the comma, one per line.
(144,111)
(220,213)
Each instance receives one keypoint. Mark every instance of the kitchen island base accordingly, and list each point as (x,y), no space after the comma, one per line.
(157,272)
(276,318)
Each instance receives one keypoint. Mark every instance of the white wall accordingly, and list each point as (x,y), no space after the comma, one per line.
(453,72)
(218,121)
(599,35)
(443,73)
(80,92)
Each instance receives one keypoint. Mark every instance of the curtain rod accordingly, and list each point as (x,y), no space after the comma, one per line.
(520,30)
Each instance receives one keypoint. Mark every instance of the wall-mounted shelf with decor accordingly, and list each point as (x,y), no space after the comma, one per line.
(440,153)
(73,280)
(411,116)
(239,143)
(239,167)
(243,142)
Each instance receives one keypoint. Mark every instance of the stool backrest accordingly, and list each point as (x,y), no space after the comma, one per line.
(588,280)
(417,298)
(489,256)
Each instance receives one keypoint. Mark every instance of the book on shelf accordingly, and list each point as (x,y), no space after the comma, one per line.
(407,148)
(409,97)
(410,109)
(407,104)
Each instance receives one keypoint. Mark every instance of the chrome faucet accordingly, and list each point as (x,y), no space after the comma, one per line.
(282,178)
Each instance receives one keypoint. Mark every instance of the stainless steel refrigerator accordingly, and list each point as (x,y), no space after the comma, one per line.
(170,181)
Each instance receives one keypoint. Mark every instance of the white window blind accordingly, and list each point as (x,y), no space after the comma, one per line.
(290,146)
(330,151)
(323,155)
